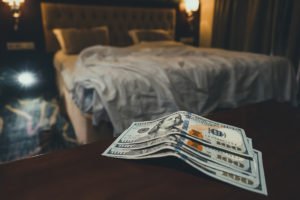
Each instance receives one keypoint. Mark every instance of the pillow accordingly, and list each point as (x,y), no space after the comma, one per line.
(72,40)
(149,35)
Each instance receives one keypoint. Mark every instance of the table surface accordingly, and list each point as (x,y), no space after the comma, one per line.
(82,173)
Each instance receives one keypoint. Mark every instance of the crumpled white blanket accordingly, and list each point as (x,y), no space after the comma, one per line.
(146,81)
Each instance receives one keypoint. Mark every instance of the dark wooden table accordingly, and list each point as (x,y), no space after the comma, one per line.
(82,173)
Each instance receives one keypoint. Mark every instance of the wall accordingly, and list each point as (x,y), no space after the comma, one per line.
(206,24)
(30,26)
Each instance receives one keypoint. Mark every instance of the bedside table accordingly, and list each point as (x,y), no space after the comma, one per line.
(26,74)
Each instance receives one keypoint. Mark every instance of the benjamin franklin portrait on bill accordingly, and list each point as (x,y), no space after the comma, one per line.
(166,125)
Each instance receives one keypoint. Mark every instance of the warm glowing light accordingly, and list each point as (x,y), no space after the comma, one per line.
(15,8)
(14,4)
(191,5)
(16,15)
(26,79)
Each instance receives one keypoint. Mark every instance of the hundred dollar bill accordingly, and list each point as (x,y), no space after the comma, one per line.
(255,184)
(217,134)
(126,153)
(235,162)
(157,141)
(249,140)
(241,164)
(251,183)
(206,131)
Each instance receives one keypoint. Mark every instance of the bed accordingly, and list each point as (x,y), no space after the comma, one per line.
(207,78)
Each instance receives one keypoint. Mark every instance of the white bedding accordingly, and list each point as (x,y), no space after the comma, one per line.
(146,81)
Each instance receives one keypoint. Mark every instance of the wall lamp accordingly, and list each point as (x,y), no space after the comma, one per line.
(191,6)
(190,16)
(15,6)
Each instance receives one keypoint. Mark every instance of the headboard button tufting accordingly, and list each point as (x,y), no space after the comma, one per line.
(118,19)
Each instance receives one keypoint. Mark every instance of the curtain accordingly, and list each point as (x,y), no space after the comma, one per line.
(293,43)
(269,26)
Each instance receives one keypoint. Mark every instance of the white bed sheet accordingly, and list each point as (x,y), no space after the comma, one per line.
(149,80)
(82,123)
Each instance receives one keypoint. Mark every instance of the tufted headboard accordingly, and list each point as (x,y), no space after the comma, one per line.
(118,19)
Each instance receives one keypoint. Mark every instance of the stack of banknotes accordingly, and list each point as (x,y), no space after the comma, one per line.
(216,149)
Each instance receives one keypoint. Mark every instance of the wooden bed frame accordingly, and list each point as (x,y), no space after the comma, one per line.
(119,20)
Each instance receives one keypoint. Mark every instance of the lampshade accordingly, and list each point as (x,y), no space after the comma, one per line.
(191,5)
(14,4)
